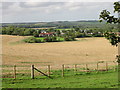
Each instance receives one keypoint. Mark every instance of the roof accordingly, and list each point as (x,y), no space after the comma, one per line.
(47,33)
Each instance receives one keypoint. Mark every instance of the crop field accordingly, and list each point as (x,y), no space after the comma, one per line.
(85,50)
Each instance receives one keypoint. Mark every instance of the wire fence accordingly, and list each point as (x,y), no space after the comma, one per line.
(31,71)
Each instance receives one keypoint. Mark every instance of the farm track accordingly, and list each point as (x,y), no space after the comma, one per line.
(84,51)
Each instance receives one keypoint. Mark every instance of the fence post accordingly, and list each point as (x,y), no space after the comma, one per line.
(48,70)
(114,66)
(97,66)
(14,69)
(86,67)
(63,70)
(106,66)
(32,71)
(75,69)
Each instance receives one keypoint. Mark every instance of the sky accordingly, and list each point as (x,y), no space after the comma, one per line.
(52,11)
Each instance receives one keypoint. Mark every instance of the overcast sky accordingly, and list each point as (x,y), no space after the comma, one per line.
(52,11)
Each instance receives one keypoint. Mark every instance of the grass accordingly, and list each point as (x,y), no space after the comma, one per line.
(80,80)
(42,38)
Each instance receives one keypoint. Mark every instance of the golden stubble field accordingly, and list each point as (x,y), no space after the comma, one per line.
(57,53)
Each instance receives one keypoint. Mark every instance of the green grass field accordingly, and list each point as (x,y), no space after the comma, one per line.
(42,38)
(107,79)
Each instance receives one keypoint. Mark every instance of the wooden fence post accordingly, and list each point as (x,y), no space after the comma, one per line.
(75,69)
(63,70)
(115,66)
(86,67)
(32,71)
(106,66)
(97,66)
(48,70)
(14,69)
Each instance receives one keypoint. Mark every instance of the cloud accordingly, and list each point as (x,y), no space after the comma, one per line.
(59,0)
(7,5)
(39,4)
(50,11)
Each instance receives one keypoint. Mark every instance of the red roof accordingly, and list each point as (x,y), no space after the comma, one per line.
(47,33)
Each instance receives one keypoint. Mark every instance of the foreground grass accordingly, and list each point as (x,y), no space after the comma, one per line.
(85,80)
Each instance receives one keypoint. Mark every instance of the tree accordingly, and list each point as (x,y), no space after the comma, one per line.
(105,15)
(27,32)
(35,34)
(114,38)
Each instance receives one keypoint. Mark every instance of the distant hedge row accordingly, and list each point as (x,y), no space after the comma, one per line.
(48,39)
(11,30)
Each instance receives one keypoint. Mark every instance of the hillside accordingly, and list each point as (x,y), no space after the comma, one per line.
(58,24)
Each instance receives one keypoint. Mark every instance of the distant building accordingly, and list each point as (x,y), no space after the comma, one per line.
(44,34)
(43,31)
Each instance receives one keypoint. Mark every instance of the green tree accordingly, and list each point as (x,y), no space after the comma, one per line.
(112,37)
(105,15)
(27,32)
(35,34)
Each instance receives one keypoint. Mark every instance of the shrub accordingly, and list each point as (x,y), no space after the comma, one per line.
(54,39)
(39,40)
(35,34)
(48,39)
(98,35)
(69,38)
(34,40)
(79,35)
(51,39)
(30,40)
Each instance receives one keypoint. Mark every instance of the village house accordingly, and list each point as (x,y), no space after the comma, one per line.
(45,34)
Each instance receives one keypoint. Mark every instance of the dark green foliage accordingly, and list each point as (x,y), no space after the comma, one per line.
(30,40)
(0,30)
(27,32)
(33,40)
(112,37)
(12,30)
(21,33)
(3,30)
(51,39)
(35,34)
(15,32)
(105,15)
(38,41)
(79,35)
(69,38)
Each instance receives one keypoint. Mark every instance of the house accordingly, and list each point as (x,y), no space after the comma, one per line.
(43,31)
(45,34)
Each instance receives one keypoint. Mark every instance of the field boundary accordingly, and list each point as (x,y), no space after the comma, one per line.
(13,71)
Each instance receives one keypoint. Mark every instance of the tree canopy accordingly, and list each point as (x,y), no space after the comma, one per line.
(113,37)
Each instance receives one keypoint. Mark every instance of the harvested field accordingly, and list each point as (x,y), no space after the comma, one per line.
(75,52)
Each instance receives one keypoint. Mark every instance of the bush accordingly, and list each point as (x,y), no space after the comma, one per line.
(98,35)
(39,41)
(30,40)
(34,40)
(51,39)
(35,34)
(48,39)
(54,39)
(79,35)
(69,38)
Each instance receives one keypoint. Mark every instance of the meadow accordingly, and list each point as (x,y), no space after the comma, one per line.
(82,80)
